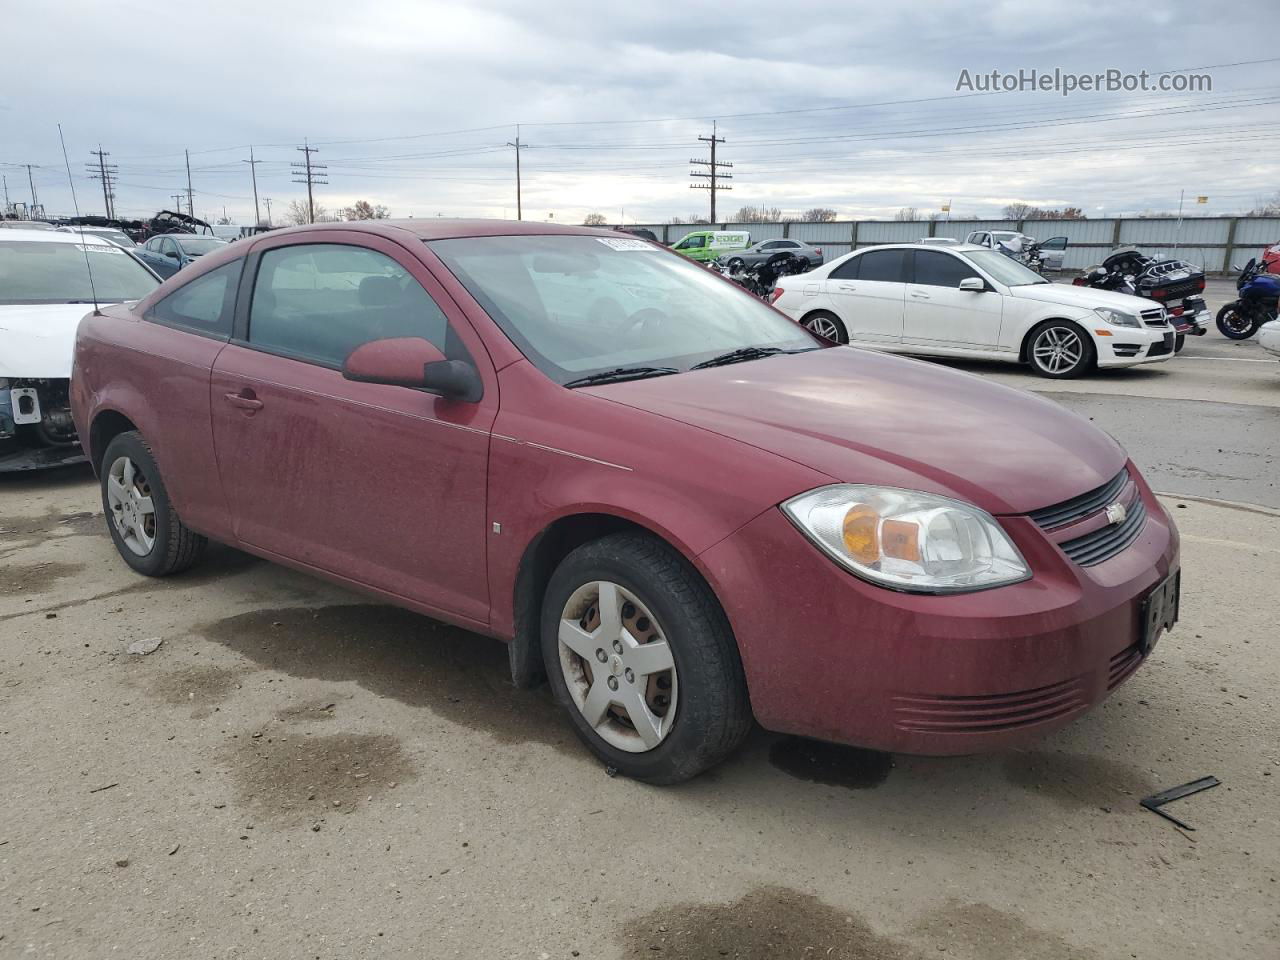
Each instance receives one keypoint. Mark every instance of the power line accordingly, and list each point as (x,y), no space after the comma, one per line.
(713,174)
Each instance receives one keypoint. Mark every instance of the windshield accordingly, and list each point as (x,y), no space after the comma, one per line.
(1004,269)
(37,272)
(199,246)
(576,306)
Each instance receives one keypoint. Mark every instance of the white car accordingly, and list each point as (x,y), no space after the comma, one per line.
(1269,337)
(111,234)
(45,289)
(968,301)
(1053,252)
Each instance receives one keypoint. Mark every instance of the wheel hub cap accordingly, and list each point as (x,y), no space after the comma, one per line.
(618,666)
(129,501)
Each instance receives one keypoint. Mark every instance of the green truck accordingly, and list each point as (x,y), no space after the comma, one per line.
(706,245)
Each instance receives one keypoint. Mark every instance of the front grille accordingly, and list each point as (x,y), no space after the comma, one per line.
(920,713)
(1106,542)
(1122,666)
(1154,318)
(1077,508)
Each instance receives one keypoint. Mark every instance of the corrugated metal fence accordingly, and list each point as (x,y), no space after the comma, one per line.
(1214,243)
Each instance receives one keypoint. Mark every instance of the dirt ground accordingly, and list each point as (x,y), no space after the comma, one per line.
(296,772)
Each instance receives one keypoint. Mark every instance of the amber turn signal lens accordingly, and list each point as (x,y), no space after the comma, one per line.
(901,540)
(860,538)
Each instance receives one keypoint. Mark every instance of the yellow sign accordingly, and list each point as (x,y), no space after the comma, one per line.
(1202,199)
(946,208)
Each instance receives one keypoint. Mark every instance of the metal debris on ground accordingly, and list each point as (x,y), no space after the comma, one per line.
(1157,800)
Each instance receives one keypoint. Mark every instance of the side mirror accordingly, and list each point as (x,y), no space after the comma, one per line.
(415,363)
(973,284)
(172,255)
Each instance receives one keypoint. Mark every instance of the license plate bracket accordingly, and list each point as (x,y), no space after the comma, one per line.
(1160,611)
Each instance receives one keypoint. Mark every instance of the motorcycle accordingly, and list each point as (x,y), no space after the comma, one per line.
(1174,284)
(1257,304)
(762,278)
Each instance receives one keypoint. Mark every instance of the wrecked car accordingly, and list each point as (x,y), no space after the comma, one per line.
(46,279)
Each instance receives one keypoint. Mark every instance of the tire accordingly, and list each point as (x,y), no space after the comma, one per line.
(1060,350)
(826,325)
(663,603)
(1179,342)
(155,543)
(735,264)
(1233,324)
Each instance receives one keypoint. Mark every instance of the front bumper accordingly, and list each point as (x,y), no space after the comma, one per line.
(830,656)
(1128,346)
(36,430)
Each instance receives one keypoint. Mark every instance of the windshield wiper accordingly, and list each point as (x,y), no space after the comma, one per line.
(739,356)
(620,374)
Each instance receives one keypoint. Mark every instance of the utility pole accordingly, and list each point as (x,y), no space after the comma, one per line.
(6,194)
(518,145)
(105,172)
(177,201)
(32,183)
(191,204)
(253,170)
(714,176)
(308,169)
(267,201)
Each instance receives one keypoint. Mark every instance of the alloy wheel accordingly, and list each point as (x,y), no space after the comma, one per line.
(1057,349)
(132,509)
(618,666)
(824,327)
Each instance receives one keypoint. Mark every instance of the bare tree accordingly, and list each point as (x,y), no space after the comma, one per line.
(689,218)
(594,220)
(1266,207)
(1019,211)
(361,210)
(758,215)
(296,213)
(818,215)
(907,213)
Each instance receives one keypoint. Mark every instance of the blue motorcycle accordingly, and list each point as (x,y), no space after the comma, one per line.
(1259,295)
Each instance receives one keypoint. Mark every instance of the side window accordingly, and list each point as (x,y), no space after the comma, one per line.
(320,301)
(205,305)
(770,245)
(695,243)
(848,270)
(168,246)
(886,266)
(941,269)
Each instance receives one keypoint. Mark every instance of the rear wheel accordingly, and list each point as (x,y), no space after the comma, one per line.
(735,264)
(1235,324)
(641,656)
(826,325)
(143,524)
(1060,350)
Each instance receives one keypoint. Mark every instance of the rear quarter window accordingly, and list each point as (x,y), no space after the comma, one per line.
(205,305)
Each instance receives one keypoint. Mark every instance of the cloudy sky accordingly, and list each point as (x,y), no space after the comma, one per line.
(843,104)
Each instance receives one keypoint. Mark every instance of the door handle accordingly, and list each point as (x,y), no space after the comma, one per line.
(847,286)
(247,402)
(920,296)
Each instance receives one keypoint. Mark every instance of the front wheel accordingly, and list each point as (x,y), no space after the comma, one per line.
(1235,324)
(1060,350)
(735,265)
(641,656)
(146,529)
(826,325)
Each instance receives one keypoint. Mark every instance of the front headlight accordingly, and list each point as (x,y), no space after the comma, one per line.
(908,540)
(1118,317)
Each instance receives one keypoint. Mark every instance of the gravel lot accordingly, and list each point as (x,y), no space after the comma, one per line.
(296,772)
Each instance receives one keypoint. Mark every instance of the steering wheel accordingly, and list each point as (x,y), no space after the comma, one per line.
(650,318)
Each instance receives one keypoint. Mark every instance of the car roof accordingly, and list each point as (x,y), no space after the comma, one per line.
(950,247)
(438,228)
(50,236)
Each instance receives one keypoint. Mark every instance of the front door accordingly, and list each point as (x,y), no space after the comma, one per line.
(940,314)
(384,485)
(867,294)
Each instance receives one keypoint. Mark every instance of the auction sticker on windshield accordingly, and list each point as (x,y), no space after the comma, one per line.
(619,243)
(97,248)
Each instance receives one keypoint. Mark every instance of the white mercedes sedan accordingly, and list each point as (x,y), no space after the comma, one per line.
(968,301)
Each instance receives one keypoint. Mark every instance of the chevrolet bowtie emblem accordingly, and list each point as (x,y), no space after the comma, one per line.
(1116,513)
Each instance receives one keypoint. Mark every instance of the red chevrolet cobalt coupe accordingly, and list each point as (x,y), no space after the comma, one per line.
(678,505)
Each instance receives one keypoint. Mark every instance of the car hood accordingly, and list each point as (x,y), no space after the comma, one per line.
(1086,298)
(863,417)
(37,340)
